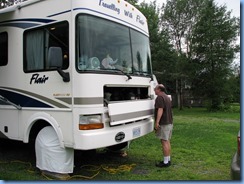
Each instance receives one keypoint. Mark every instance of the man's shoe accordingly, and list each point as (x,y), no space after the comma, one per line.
(162,164)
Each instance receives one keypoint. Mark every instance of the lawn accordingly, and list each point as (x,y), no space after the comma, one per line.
(203,144)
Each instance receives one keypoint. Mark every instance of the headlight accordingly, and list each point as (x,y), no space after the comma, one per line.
(90,122)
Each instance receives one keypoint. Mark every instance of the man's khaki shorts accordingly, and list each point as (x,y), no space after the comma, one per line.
(164,132)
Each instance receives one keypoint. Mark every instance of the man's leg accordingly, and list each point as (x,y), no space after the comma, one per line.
(165,136)
(166,150)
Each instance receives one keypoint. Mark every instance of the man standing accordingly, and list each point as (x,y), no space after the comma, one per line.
(163,123)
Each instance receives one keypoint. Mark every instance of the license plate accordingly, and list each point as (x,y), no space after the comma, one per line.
(136,132)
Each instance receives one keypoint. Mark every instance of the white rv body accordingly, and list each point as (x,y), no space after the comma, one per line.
(79,108)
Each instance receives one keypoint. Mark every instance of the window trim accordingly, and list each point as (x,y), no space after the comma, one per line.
(43,27)
(104,71)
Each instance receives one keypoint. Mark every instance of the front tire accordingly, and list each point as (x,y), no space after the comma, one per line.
(49,155)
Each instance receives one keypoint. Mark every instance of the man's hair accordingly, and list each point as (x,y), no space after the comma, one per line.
(161,87)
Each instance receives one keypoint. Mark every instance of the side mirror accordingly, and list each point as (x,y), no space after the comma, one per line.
(55,60)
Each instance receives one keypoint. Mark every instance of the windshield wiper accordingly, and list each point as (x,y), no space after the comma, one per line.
(127,75)
(115,69)
(141,73)
(3,99)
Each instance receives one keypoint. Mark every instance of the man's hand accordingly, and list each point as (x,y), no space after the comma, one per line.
(156,127)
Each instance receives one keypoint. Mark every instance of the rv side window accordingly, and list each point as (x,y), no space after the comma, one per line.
(38,41)
(3,48)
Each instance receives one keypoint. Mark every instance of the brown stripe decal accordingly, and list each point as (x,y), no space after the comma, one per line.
(66,100)
(88,101)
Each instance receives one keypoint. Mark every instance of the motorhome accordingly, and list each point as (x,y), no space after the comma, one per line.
(82,67)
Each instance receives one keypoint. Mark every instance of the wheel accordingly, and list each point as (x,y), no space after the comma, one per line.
(49,155)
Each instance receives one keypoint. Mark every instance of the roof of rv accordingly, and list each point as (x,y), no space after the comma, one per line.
(28,2)
(119,11)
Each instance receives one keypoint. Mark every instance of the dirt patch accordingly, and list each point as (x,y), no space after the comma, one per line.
(140,171)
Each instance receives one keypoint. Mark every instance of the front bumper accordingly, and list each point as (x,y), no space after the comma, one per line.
(93,139)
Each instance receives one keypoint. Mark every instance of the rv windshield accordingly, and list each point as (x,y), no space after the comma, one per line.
(109,47)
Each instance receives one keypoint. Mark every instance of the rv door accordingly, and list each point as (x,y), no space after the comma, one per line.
(9,121)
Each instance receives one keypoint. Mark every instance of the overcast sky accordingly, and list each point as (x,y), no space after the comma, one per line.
(232,5)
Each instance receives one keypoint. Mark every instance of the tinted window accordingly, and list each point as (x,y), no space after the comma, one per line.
(3,49)
(38,41)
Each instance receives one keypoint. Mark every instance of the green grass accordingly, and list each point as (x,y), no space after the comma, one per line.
(203,144)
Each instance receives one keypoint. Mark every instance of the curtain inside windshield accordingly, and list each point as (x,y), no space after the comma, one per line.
(106,46)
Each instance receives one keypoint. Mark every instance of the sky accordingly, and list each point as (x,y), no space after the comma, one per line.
(232,5)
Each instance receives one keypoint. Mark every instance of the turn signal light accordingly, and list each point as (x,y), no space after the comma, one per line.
(90,126)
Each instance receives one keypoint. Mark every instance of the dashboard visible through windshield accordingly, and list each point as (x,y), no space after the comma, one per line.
(105,46)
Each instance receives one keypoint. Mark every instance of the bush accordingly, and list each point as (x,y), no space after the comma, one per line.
(222,107)
(229,108)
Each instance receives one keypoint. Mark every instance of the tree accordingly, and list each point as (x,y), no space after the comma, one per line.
(178,19)
(234,83)
(163,55)
(133,2)
(213,47)
(204,40)
(233,87)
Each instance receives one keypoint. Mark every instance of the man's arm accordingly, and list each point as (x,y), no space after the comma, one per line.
(159,115)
